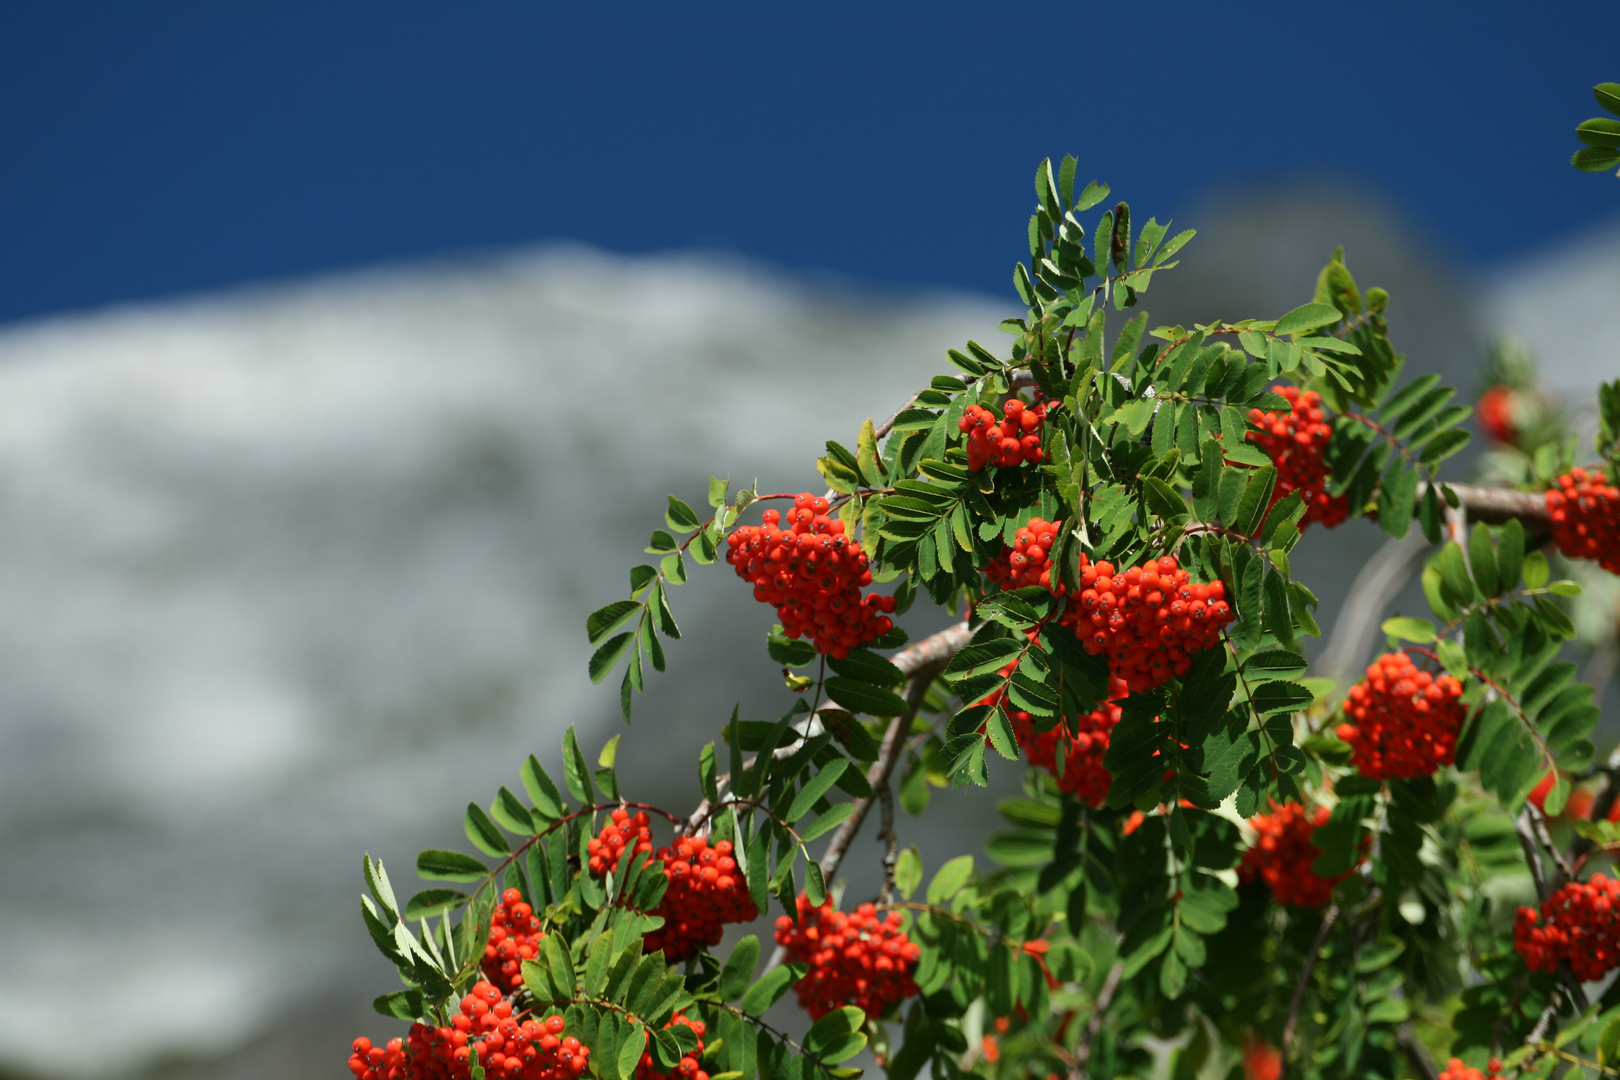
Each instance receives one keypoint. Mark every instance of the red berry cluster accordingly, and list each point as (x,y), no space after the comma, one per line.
(855,959)
(1585,514)
(1295,441)
(706,891)
(706,888)
(1083,773)
(509,1048)
(514,936)
(813,575)
(1149,620)
(1579,923)
(1283,854)
(1406,720)
(1083,749)
(1028,562)
(622,830)
(1003,443)
(1456,1070)
(688,1068)
(1495,415)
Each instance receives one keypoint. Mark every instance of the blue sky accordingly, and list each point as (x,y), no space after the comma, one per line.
(165,148)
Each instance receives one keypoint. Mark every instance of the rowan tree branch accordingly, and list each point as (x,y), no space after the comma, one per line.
(934,651)
(927,659)
(1498,506)
(1105,998)
(890,841)
(1416,1052)
(1532,857)
(1328,919)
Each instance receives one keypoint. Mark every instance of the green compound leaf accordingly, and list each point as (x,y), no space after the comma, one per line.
(1410,629)
(680,517)
(1307,317)
(485,835)
(862,697)
(604,620)
(949,880)
(575,770)
(768,990)
(739,969)
(437,865)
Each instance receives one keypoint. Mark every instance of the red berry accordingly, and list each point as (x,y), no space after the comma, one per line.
(1026,562)
(706,887)
(854,958)
(813,575)
(1004,443)
(1295,442)
(1406,720)
(1495,415)
(1456,1070)
(688,1068)
(1585,514)
(1149,621)
(1579,923)
(514,936)
(1283,854)
(527,1049)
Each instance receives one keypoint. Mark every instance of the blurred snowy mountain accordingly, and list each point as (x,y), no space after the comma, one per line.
(1565,303)
(293,573)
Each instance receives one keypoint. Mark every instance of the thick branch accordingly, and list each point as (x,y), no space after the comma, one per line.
(1532,857)
(1497,506)
(1538,822)
(891,843)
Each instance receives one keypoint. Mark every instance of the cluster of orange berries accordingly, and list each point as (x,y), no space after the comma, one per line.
(688,1067)
(1004,443)
(514,936)
(1295,441)
(1579,923)
(706,888)
(1406,720)
(706,891)
(1083,774)
(1149,620)
(1028,561)
(854,958)
(1585,512)
(508,1048)
(1456,1070)
(813,575)
(1283,854)
(622,830)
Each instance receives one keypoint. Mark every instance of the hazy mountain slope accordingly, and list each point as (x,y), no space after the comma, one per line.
(292,574)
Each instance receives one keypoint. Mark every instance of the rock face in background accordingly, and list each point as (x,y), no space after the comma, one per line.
(292,574)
